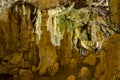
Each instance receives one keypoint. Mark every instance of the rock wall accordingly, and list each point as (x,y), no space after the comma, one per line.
(38,39)
(112,58)
(47,52)
(18,41)
(114,9)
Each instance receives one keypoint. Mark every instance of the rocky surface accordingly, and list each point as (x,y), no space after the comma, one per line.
(84,74)
(111,48)
(26,75)
(15,58)
(90,60)
(71,77)
(45,37)
(101,66)
(47,53)
(66,51)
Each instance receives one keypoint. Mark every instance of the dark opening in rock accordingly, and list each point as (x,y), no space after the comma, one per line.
(6,76)
(27,5)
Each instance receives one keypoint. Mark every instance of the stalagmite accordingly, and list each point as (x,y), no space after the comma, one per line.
(47,53)
(54,39)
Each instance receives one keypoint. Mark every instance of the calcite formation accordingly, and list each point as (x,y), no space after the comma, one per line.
(84,73)
(90,60)
(47,53)
(25,73)
(38,37)
(71,77)
(112,54)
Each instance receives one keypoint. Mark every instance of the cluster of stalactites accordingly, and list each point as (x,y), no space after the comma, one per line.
(84,24)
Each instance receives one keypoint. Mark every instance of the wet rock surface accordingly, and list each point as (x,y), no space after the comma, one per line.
(26,75)
(48,41)
(47,53)
(111,49)
(90,60)
(84,74)
(15,58)
(71,77)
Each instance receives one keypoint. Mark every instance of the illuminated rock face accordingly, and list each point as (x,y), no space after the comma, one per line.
(67,50)
(47,52)
(38,3)
(84,73)
(30,38)
(109,65)
(111,48)
(25,73)
(82,24)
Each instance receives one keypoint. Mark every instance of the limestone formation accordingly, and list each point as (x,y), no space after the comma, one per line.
(26,75)
(47,52)
(90,60)
(24,64)
(100,71)
(34,68)
(2,49)
(16,57)
(33,55)
(3,69)
(67,50)
(46,38)
(111,50)
(71,77)
(101,66)
(84,74)
(53,69)
(73,64)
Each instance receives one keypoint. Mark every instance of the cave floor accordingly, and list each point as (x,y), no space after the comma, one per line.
(60,75)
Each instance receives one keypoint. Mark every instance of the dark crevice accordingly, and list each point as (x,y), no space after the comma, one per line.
(6,76)
(27,5)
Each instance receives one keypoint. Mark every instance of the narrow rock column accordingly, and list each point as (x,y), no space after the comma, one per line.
(47,52)
(66,48)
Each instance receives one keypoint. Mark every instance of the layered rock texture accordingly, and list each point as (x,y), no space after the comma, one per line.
(45,37)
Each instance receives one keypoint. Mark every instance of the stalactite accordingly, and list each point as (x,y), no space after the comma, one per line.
(48,38)
(52,26)
(38,25)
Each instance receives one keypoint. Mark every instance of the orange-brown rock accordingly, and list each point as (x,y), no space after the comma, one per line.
(90,60)
(66,48)
(15,58)
(25,74)
(84,74)
(71,77)
(111,49)
(115,11)
(73,64)
(4,32)
(47,51)
(45,4)
(101,66)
